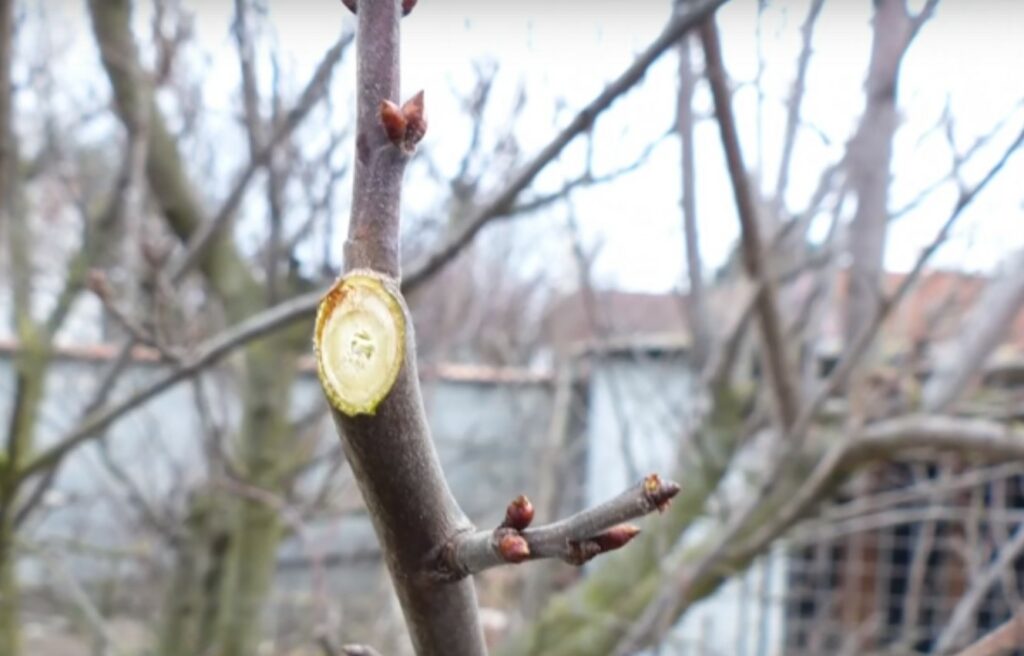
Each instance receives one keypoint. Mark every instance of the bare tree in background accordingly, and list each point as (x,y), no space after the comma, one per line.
(246,314)
(152,160)
(647,603)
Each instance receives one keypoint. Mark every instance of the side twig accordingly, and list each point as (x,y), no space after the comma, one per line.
(575,540)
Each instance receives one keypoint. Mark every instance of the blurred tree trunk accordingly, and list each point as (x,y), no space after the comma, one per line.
(189,620)
(27,365)
(10,621)
(628,585)
(869,158)
(268,364)
(30,369)
(266,454)
(697,316)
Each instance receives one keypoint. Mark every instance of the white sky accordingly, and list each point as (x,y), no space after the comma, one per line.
(564,52)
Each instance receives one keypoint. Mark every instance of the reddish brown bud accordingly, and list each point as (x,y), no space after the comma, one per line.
(616,537)
(658,492)
(519,513)
(416,120)
(393,121)
(513,547)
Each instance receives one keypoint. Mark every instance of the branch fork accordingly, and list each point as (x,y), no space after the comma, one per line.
(574,540)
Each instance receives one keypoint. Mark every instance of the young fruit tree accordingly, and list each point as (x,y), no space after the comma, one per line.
(366,358)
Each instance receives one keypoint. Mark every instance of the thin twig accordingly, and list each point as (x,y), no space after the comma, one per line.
(675,599)
(698,318)
(774,346)
(575,539)
(80,598)
(501,202)
(315,89)
(966,609)
(796,99)
(208,353)
(587,179)
(304,307)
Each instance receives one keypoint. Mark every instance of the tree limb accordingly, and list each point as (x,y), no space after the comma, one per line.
(697,317)
(677,597)
(208,353)
(575,539)
(386,437)
(991,318)
(796,99)
(503,200)
(774,347)
(964,613)
(315,89)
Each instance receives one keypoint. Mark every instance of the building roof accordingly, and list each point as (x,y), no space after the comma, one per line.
(615,315)
(933,310)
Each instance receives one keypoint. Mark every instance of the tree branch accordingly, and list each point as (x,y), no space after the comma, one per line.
(675,599)
(315,89)
(966,609)
(796,99)
(208,353)
(774,347)
(575,540)
(697,318)
(869,160)
(989,321)
(366,356)
(586,179)
(500,204)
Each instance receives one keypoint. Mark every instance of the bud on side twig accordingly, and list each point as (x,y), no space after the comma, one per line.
(616,537)
(404,126)
(513,547)
(394,122)
(659,493)
(416,120)
(519,513)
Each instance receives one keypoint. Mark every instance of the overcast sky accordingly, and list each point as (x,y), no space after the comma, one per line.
(970,55)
